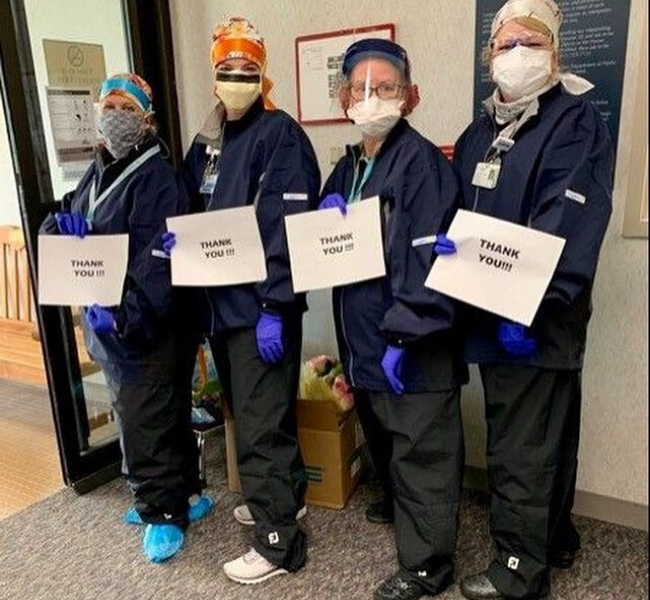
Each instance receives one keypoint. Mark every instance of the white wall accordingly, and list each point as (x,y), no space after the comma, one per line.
(439,37)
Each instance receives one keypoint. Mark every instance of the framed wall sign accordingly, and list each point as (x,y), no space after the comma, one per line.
(318,65)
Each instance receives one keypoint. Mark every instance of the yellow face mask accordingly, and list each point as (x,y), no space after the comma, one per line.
(238,90)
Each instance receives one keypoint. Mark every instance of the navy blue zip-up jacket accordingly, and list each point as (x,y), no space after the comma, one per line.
(419,194)
(267,160)
(139,207)
(557,178)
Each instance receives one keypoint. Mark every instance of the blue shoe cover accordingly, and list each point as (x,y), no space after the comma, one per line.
(200,508)
(160,542)
(132,517)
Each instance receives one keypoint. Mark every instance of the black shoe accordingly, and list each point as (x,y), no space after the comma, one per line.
(479,587)
(561,559)
(397,588)
(381,512)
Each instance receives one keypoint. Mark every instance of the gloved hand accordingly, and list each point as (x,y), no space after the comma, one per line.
(269,337)
(168,242)
(334,201)
(100,319)
(515,339)
(72,224)
(444,246)
(392,366)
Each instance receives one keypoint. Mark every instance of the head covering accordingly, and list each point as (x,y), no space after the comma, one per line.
(238,38)
(544,11)
(131,86)
(376,48)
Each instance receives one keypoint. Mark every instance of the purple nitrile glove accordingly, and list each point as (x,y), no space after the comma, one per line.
(515,339)
(168,242)
(100,319)
(72,224)
(443,246)
(392,366)
(269,337)
(334,201)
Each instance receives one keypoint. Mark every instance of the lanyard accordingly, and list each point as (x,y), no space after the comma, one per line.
(357,186)
(94,201)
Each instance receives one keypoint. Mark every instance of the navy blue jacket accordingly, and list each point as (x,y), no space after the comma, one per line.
(139,207)
(419,194)
(267,160)
(557,178)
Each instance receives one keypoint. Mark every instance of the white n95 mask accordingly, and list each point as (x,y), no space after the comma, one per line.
(522,71)
(237,89)
(375,117)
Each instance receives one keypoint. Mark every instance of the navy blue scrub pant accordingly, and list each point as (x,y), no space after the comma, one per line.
(426,473)
(263,403)
(154,417)
(533,420)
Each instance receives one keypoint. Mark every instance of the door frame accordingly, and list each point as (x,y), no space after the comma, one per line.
(148,27)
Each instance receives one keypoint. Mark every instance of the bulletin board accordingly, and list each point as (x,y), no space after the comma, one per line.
(318,64)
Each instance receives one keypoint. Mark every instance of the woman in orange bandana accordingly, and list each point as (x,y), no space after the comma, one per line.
(249,153)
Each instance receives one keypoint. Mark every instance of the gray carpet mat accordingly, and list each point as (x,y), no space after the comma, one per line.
(76,548)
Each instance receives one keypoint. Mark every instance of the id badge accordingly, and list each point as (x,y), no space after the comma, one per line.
(486,175)
(210,175)
(209,183)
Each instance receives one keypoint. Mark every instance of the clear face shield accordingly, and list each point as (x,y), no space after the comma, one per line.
(375,77)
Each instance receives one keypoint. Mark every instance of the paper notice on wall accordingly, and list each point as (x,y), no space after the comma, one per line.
(81,272)
(328,249)
(217,248)
(500,267)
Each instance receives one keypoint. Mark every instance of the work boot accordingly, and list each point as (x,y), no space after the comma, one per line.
(381,512)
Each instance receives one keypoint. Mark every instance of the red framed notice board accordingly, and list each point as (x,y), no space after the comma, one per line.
(318,64)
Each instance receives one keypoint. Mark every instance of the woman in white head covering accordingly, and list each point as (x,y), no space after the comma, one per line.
(539,156)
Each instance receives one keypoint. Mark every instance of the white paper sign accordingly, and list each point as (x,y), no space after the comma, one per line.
(499,266)
(328,249)
(81,272)
(221,247)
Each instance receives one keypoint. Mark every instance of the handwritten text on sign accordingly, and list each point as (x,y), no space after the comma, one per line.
(81,272)
(221,247)
(328,249)
(499,266)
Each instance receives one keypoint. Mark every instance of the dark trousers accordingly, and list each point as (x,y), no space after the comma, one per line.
(533,420)
(426,470)
(158,446)
(379,441)
(263,399)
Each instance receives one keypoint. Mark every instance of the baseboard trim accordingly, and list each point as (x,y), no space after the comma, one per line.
(587,504)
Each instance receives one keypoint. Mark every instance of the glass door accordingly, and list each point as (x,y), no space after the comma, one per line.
(53,56)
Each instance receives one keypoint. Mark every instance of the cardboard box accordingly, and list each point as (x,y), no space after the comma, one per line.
(331,444)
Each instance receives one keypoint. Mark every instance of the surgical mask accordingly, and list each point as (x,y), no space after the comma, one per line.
(522,71)
(120,130)
(375,117)
(237,89)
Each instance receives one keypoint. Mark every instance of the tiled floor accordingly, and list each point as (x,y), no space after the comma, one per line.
(29,460)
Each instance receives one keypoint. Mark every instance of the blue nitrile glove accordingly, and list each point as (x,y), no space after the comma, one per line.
(100,319)
(334,201)
(392,366)
(72,224)
(444,246)
(515,339)
(269,337)
(168,242)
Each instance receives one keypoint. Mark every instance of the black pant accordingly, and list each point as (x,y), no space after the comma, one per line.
(263,399)
(159,449)
(533,422)
(379,441)
(426,472)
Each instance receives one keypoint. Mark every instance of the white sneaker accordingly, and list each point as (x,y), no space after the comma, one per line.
(243,514)
(251,568)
